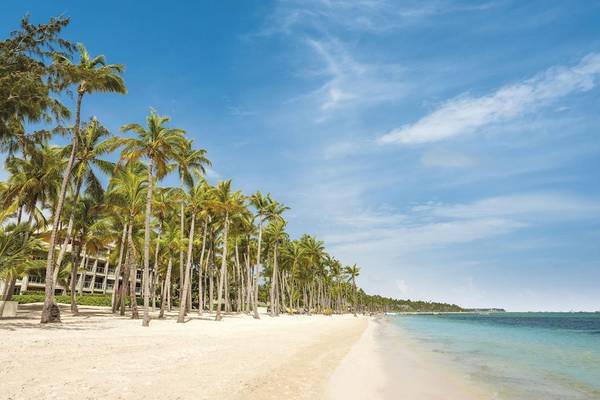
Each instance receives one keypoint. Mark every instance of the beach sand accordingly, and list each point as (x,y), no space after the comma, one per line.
(99,356)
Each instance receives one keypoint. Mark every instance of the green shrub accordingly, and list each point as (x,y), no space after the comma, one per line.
(84,300)
(327,311)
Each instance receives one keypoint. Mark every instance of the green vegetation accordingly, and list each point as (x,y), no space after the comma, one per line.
(84,300)
(204,246)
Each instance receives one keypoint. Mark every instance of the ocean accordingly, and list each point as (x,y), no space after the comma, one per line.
(516,355)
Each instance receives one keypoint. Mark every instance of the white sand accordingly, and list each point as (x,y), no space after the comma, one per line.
(98,356)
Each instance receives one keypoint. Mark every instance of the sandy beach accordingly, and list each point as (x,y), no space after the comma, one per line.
(99,356)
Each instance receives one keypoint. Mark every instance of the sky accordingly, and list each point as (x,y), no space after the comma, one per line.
(449,148)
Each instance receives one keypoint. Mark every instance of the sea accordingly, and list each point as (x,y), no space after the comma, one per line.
(527,356)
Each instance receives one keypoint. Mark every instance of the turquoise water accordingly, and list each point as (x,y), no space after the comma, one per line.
(517,355)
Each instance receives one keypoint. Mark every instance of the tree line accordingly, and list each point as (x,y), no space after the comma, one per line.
(200,246)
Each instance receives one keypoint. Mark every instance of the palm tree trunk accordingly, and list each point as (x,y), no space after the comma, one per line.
(273,292)
(68,235)
(145,277)
(50,311)
(118,270)
(130,262)
(166,288)
(181,237)
(355,293)
(211,284)
(155,269)
(223,269)
(239,277)
(226,291)
(200,305)
(76,257)
(249,288)
(256,273)
(9,287)
(188,266)
(126,273)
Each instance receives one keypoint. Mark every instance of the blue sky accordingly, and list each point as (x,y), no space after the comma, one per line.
(449,148)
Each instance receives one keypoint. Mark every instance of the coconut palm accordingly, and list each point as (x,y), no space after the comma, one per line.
(91,75)
(158,144)
(190,162)
(170,247)
(226,204)
(126,195)
(18,248)
(33,180)
(196,203)
(93,146)
(266,210)
(353,272)
(276,236)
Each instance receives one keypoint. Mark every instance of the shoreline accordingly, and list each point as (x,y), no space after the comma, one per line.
(97,355)
(386,363)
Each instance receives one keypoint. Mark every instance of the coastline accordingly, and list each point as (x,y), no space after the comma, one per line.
(386,363)
(99,356)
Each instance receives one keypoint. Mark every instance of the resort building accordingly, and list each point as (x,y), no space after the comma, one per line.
(95,275)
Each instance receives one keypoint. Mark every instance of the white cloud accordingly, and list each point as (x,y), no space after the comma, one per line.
(351,82)
(550,205)
(437,225)
(467,114)
(372,16)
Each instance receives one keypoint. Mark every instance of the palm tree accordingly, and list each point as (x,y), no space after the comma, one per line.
(33,180)
(197,201)
(266,210)
(353,273)
(91,149)
(158,145)
(171,246)
(226,204)
(90,75)
(126,195)
(276,236)
(190,162)
(18,247)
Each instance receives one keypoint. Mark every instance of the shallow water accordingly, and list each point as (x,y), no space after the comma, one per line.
(516,355)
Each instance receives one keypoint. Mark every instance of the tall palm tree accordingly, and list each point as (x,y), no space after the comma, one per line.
(276,236)
(266,210)
(353,273)
(90,75)
(190,162)
(126,195)
(196,203)
(170,246)
(158,145)
(226,204)
(93,146)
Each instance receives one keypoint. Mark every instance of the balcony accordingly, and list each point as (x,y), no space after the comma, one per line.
(36,279)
